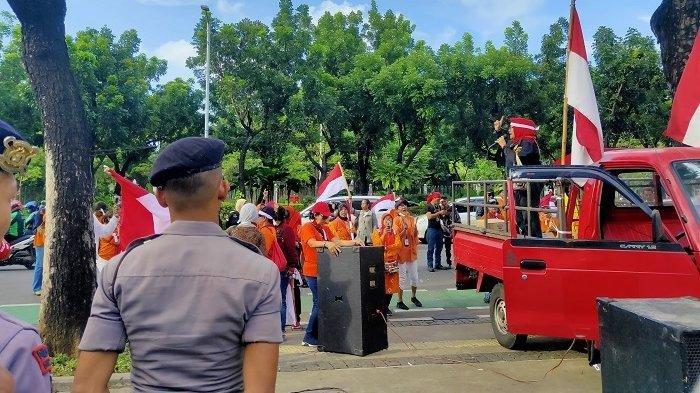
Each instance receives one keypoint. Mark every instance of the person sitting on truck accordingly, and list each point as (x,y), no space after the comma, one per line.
(521,149)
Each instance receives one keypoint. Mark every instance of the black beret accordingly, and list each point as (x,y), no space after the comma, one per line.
(186,157)
(15,151)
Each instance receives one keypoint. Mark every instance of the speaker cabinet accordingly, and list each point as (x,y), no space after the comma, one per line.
(351,290)
(649,345)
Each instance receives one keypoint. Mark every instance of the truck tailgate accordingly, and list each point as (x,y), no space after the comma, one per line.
(480,251)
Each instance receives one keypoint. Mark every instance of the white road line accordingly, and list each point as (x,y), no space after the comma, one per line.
(420,309)
(483,316)
(451,289)
(20,305)
(421,290)
(478,308)
(410,319)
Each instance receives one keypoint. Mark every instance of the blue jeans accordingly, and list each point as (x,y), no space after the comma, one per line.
(435,239)
(38,268)
(311,335)
(284,281)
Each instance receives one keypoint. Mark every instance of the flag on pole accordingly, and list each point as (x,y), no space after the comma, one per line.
(684,124)
(587,138)
(140,214)
(382,206)
(335,182)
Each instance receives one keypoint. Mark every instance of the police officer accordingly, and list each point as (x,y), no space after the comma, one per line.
(21,352)
(199,309)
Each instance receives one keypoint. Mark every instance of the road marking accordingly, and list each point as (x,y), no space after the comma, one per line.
(421,290)
(411,319)
(478,308)
(19,305)
(483,316)
(451,289)
(420,309)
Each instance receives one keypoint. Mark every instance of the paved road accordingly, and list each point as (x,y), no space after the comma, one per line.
(448,343)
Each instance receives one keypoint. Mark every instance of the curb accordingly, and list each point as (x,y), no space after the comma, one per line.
(64,384)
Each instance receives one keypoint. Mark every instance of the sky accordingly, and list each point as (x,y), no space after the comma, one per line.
(166,26)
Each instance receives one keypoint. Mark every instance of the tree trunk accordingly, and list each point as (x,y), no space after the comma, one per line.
(69,268)
(675,24)
(241,165)
(362,181)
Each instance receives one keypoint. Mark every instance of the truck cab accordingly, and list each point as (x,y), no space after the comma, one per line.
(630,229)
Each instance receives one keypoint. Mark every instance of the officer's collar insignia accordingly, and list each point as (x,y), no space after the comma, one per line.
(17,154)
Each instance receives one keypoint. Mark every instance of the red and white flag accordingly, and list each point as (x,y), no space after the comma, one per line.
(140,214)
(587,138)
(684,124)
(335,182)
(382,206)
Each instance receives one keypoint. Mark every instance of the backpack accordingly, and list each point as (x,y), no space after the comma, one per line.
(277,256)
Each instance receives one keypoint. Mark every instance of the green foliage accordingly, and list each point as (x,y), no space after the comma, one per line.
(64,366)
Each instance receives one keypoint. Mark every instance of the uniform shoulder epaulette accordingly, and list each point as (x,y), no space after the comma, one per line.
(247,245)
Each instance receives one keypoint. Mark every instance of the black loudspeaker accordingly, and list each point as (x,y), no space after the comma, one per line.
(649,345)
(350,291)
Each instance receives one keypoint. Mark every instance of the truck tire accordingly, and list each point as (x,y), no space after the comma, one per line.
(499,322)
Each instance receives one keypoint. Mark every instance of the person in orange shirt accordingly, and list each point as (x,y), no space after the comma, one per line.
(107,246)
(385,236)
(405,228)
(267,228)
(39,240)
(341,227)
(313,235)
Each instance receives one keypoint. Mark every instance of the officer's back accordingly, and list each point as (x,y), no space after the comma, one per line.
(189,301)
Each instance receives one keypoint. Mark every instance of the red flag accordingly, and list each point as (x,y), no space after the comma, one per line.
(140,214)
(587,138)
(335,182)
(382,206)
(684,124)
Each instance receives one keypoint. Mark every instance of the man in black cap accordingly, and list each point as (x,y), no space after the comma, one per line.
(200,310)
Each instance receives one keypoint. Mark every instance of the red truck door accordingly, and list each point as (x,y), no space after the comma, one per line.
(551,285)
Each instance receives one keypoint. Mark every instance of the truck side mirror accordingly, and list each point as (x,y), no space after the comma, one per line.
(657,228)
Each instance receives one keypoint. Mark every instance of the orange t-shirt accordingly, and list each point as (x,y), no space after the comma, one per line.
(270,235)
(405,227)
(308,232)
(107,248)
(339,228)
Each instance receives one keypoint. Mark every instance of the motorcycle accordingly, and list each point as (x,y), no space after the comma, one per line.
(19,252)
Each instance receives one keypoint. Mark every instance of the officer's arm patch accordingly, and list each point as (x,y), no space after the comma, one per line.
(41,355)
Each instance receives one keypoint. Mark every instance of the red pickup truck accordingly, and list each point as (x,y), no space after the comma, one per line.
(627,229)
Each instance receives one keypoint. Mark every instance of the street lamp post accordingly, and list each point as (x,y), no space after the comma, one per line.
(206,75)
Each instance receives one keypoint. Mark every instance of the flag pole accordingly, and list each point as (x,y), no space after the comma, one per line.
(565,105)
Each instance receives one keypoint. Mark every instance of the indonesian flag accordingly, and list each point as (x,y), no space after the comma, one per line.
(335,182)
(383,206)
(587,138)
(684,124)
(140,214)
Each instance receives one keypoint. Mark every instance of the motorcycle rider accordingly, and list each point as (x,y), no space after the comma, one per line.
(16,230)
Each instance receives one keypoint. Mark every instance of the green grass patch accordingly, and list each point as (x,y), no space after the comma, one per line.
(64,365)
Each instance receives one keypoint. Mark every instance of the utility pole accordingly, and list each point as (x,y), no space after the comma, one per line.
(206,74)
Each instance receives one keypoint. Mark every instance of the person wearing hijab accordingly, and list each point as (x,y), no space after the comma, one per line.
(405,227)
(246,229)
(233,217)
(391,241)
(341,227)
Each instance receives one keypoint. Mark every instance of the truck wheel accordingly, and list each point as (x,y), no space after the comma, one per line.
(499,322)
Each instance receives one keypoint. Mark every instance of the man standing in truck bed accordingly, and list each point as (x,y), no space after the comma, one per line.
(521,149)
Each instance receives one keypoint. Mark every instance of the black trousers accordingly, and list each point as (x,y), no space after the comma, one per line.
(297,301)
(521,217)
(447,241)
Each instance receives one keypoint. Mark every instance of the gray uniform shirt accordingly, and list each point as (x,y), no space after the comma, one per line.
(366,222)
(187,302)
(21,354)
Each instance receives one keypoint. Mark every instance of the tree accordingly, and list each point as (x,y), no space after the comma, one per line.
(632,93)
(675,24)
(516,39)
(70,251)
(173,111)
(115,81)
